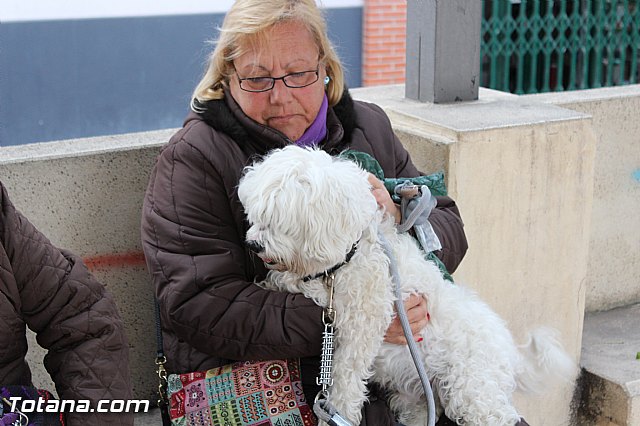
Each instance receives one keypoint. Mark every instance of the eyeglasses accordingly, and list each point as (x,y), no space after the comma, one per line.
(295,80)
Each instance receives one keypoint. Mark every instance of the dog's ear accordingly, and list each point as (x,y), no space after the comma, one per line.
(340,206)
(314,206)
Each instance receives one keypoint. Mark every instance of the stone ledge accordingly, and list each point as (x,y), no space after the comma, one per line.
(493,110)
(71,148)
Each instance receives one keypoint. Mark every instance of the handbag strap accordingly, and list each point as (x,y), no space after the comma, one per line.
(159,341)
(161,360)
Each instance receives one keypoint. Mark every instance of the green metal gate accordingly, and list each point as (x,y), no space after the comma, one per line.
(533,46)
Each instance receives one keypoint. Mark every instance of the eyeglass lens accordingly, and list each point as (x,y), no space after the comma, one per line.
(293,80)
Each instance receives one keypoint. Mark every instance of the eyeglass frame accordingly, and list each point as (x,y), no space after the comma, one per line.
(274,79)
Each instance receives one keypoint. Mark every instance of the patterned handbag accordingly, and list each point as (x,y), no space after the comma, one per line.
(240,394)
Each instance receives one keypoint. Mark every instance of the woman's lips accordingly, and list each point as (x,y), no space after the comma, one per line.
(281,118)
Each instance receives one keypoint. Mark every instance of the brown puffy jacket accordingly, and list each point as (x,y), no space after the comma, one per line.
(193,230)
(51,291)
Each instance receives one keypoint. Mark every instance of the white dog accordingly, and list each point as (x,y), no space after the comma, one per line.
(307,212)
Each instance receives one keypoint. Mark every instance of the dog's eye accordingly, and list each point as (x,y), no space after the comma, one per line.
(254,225)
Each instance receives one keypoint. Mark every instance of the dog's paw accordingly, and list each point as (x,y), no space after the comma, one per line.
(266,285)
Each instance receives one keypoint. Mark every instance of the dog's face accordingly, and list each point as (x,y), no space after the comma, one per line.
(305,208)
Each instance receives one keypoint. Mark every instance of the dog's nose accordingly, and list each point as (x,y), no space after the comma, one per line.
(255,246)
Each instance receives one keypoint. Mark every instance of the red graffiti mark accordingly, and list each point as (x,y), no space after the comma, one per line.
(114,260)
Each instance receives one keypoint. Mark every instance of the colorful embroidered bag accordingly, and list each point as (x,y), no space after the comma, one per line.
(260,393)
(240,394)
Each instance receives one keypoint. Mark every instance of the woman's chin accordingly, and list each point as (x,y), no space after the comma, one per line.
(290,130)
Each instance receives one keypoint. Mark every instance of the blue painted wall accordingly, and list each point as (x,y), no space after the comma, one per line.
(91,77)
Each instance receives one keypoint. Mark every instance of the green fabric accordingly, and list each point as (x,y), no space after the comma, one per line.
(445,274)
(434,181)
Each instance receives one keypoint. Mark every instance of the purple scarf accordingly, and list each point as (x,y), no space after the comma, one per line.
(318,129)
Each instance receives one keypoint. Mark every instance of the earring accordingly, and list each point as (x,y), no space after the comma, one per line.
(326,80)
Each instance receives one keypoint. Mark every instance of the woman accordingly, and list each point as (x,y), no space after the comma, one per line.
(74,318)
(273,80)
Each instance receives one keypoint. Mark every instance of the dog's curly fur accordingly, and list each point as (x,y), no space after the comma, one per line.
(306,210)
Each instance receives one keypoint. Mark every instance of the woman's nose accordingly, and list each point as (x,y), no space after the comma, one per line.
(280,92)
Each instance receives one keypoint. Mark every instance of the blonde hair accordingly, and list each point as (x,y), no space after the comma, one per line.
(246,23)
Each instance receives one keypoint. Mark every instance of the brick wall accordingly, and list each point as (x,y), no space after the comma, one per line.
(383,58)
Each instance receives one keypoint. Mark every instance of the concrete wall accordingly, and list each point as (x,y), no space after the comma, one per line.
(521,171)
(614,248)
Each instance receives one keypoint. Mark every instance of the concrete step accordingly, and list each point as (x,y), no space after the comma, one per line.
(610,383)
(152,418)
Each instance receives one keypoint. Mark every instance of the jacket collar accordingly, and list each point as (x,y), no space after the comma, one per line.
(226,116)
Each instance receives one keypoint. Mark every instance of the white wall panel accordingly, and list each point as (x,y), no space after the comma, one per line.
(41,10)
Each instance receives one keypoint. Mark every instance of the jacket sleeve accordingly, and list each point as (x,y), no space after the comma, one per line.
(202,274)
(448,226)
(73,316)
(445,217)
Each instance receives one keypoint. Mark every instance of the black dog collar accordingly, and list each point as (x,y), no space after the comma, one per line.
(334,268)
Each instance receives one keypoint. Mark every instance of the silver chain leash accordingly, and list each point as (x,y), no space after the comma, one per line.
(326,362)
(322,407)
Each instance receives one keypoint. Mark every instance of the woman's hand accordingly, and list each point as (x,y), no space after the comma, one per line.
(416,307)
(383,198)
